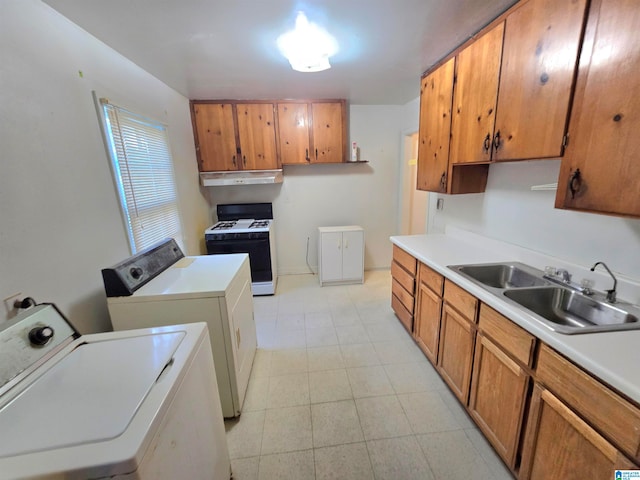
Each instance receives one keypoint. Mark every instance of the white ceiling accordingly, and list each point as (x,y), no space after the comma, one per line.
(208,49)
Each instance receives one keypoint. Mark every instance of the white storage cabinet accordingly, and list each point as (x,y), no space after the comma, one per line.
(341,255)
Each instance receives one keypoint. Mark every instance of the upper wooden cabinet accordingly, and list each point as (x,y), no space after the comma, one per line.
(436,92)
(539,58)
(601,167)
(257,134)
(215,136)
(312,132)
(510,96)
(513,84)
(234,136)
(474,105)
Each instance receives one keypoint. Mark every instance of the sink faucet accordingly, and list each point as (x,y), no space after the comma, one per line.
(611,294)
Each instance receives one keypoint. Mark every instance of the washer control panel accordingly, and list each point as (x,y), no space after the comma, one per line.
(30,337)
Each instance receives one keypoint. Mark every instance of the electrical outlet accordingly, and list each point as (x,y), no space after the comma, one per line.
(10,301)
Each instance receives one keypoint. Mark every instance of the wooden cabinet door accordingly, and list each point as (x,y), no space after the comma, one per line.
(427,321)
(329,140)
(604,144)
(559,444)
(216,138)
(257,134)
(455,355)
(436,95)
(475,97)
(293,127)
(498,396)
(539,58)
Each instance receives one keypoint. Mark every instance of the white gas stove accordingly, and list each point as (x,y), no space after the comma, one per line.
(247,228)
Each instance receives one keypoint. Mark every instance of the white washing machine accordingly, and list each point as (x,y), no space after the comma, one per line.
(160,286)
(141,404)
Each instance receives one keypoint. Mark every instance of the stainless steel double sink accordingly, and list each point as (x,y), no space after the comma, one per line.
(559,307)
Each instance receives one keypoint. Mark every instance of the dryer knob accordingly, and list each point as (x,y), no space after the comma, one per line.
(136,272)
(40,336)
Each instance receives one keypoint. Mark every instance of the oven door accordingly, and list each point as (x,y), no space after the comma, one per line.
(257,248)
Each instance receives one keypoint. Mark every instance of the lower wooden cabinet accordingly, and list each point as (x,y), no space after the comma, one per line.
(427,319)
(455,354)
(498,397)
(545,416)
(559,444)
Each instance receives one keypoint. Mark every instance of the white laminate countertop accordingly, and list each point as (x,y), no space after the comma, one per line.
(614,357)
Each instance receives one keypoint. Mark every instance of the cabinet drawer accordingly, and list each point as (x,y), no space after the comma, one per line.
(461,300)
(431,279)
(613,416)
(403,314)
(405,297)
(405,260)
(403,277)
(507,334)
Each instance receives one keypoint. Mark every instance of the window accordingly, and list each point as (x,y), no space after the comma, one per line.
(143,171)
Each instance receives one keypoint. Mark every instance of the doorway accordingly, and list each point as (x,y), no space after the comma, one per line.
(414,203)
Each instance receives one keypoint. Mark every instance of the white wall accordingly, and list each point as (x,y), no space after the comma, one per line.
(312,196)
(60,217)
(510,211)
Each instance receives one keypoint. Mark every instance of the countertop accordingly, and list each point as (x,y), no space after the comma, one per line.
(613,357)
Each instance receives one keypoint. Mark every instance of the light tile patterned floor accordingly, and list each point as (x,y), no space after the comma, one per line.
(339,390)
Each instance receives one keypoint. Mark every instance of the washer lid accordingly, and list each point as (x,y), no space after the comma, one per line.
(90,395)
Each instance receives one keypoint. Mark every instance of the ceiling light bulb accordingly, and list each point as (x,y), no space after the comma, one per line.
(307,47)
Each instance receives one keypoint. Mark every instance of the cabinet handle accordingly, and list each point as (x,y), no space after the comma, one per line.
(346,244)
(244,160)
(233,159)
(316,154)
(306,155)
(487,142)
(496,141)
(575,182)
(443,181)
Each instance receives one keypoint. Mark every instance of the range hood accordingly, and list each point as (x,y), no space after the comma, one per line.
(244,177)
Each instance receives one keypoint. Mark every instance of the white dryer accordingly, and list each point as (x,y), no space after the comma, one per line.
(160,286)
(141,404)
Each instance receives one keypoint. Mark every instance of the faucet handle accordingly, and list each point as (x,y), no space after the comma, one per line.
(587,286)
(551,271)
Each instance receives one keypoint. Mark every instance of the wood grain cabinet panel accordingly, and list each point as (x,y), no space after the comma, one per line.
(559,444)
(475,97)
(329,141)
(428,311)
(294,139)
(608,412)
(405,260)
(539,59)
(519,343)
(436,95)
(257,135)
(455,351)
(214,130)
(600,169)
(403,287)
(461,300)
(498,397)
(234,136)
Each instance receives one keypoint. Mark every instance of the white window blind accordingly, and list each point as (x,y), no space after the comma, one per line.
(143,169)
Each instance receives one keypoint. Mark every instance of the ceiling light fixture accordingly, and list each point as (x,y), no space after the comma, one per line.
(308,46)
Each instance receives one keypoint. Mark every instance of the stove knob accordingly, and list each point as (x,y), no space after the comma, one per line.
(40,336)
(136,272)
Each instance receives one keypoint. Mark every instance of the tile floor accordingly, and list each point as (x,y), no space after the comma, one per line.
(339,390)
